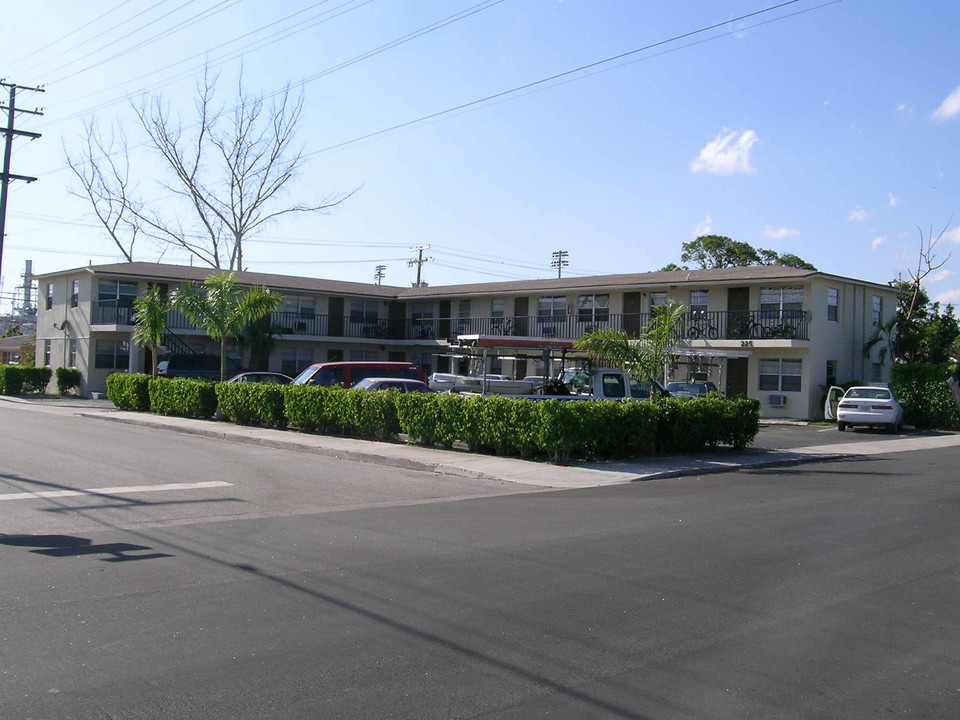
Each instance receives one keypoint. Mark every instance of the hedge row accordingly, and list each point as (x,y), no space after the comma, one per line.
(17,379)
(549,428)
(926,397)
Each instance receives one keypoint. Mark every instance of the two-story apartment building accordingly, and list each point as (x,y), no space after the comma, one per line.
(775,333)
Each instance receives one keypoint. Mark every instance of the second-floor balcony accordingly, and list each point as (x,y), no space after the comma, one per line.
(693,327)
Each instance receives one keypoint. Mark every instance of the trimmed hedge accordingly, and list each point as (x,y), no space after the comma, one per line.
(552,428)
(67,379)
(252,403)
(129,391)
(17,380)
(185,397)
(927,400)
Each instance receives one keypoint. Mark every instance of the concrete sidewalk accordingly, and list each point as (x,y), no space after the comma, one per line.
(465,464)
(515,470)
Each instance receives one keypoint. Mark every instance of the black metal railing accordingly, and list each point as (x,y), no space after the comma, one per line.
(692,326)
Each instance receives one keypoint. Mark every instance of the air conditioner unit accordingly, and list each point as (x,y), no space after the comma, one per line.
(777,400)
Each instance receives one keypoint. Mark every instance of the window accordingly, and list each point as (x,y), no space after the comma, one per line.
(422,311)
(49,296)
(46,353)
(780,375)
(363,356)
(877,310)
(552,309)
(424,361)
(781,303)
(302,305)
(831,373)
(833,304)
(496,309)
(593,308)
(465,309)
(73,352)
(363,311)
(657,299)
(496,366)
(112,354)
(876,372)
(116,301)
(699,302)
(75,293)
(294,360)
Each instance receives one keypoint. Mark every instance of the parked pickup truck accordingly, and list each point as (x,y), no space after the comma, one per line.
(576,384)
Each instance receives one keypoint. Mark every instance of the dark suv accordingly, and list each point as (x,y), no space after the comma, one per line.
(198,366)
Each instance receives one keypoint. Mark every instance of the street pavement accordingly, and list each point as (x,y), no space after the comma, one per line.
(782,444)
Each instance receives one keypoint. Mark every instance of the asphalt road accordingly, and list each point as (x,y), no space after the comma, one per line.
(311,587)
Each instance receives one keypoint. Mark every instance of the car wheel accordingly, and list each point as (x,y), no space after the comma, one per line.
(841,426)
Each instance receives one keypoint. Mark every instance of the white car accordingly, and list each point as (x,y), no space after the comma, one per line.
(872,406)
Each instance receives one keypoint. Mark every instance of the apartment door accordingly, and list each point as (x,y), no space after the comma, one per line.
(443,331)
(632,320)
(520,312)
(737,376)
(397,314)
(335,317)
(738,312)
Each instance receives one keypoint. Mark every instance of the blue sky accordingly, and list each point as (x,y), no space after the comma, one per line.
(830,130)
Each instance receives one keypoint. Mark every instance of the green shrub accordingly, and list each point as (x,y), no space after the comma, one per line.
(35,379)
(186,397)
(252,403)
(561,432)
(129,391)
(418,415)
(303,407)
(927,400)
(67,379)
(11,379)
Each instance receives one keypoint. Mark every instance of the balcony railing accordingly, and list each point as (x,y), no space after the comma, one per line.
(693,326)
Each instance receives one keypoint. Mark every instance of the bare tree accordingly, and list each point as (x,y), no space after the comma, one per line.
(228,165)
(103,172)
(926,264)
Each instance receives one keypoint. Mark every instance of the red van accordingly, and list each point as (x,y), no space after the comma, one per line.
(348,374)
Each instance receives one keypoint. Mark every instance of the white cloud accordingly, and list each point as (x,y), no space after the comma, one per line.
(877,242)
(952,236)
(940,276)
(892,200)
(950,296)
(727,153)
(703,228)
(770,234)
(858,214)
(950,107)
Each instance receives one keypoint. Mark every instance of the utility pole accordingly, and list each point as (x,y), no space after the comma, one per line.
(380,273)
(6,176)
(419,261)
(559,260)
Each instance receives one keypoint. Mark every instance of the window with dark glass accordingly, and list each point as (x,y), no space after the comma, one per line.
(363,311)
(779,375)
(781,303)
(75,293)
(593,308)
(877,310)
(552,309)
(49,305)
(833,304)
(111,354)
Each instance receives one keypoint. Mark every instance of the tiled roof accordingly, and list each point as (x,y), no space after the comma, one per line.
(291,283)
(673,277)
(182,273)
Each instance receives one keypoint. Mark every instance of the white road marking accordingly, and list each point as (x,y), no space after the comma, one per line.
(126,490)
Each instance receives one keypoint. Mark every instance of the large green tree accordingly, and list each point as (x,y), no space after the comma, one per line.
(222,308)
(719,251)
(150,316)
(643,357)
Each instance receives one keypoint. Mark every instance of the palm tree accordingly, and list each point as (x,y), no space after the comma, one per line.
(642,358)
(221,308)
(150,318)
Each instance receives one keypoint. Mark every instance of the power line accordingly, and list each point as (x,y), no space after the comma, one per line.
(529,86)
